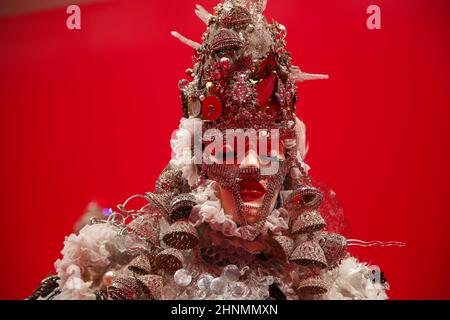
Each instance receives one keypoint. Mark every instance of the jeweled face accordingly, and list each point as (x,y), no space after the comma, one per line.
(249,178)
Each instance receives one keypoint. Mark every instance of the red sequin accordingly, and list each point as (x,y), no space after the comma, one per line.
(265,89)
(212,108)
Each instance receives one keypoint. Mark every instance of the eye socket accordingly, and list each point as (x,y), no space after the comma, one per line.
(266,159)
(226,154)
(271,158)
(268,154)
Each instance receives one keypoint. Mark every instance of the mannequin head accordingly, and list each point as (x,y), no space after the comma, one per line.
(249,174)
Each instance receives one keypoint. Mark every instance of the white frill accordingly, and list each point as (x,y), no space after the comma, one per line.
(353,282)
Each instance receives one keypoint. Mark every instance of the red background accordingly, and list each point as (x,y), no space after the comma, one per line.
(88,115)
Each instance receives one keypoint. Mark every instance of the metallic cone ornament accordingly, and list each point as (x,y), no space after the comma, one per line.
(309,253)
(282,246)
(140,265)
(308,222)
(181,206)
(124,288)
(152,285)
(169,260)
(181,235)
(334,247)
(146,227)
(311,286)
(304,198)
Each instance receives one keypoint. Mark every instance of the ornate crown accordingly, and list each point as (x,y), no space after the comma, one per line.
(242,75)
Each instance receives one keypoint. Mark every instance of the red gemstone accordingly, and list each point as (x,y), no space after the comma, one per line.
(265,89)
(212,108)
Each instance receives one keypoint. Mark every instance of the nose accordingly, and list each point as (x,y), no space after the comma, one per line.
(251,160)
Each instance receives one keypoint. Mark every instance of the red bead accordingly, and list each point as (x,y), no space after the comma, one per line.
(212,108)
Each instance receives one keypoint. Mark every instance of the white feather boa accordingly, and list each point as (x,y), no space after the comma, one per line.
(353,282)
(86,257)
(181,143)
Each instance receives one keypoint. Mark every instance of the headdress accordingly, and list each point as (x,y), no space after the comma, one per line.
(242,76)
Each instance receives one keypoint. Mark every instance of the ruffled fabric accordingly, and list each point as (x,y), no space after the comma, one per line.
(74,288)
(86,257)
(277,222)
(182,155)
(353,282)
(209,210)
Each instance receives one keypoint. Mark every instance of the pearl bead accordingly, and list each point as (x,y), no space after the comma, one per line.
(108,278)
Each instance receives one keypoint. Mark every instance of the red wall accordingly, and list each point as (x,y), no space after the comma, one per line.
(88,115)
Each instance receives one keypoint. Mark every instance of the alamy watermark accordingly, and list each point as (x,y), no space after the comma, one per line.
(374,20)
(73,21)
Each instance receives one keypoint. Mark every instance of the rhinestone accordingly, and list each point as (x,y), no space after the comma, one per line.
(225,63)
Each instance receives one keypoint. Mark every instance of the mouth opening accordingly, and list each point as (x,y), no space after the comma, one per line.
(251,190)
